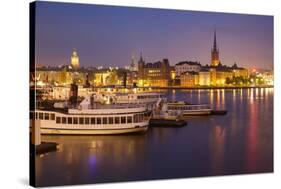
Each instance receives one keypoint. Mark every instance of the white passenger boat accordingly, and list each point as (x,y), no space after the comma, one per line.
(147,99)
(186,109)
(92,118)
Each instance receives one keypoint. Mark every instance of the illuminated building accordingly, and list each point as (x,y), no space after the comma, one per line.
(215,52)
(239,72)
(219,75)
(75,60)
(153,74)
(204,77)
(189,79)
(172,72)
(187,66)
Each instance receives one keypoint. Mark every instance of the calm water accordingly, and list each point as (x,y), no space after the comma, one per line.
(238,143)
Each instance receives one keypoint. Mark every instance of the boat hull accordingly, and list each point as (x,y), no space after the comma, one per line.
(196,113)
(52,131)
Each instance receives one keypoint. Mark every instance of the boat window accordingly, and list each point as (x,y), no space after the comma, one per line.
(75,120)
(93,120)
(87,120)
(110,120)
(81,120)
(46,116)
(69,120)
(104,120)
(58,119)
(40,115)
(63,120)
(140,117)
(123,119)
(36,115)
(52,116)
(136,118)
(98,120)
(129,119)
(117,120)
(31,115)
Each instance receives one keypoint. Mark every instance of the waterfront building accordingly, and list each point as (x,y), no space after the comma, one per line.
(215,52)
(204,77)
(219,75)
(189,79)
(187,66)
(239,71)
(153,74)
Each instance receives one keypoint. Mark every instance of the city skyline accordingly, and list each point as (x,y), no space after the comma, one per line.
(108,35)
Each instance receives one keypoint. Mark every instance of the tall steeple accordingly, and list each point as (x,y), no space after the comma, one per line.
(141,59)
(215,41)
(215,52)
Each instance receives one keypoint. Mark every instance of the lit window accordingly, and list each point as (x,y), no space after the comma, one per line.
(110,120)
(69,120)
(58,119)
(81,120)
(87,120)
(40,115)
(123,119)
(63,120)
(117,120)
(46,116)
(98,120)
(93,120)
(52,116)
(104,120)
(129,119)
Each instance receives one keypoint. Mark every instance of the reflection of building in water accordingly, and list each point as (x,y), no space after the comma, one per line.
(217,149)
(252,140)
(100,152)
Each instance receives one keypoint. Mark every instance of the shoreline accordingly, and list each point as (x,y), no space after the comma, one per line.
(208,88)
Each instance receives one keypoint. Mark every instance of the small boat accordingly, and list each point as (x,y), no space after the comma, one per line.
(164,118)
(187,109)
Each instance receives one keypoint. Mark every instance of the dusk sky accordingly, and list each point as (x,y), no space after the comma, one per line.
(108,35)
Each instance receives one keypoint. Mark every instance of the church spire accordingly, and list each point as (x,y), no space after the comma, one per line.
(141,59)
(215,41)
(214,52)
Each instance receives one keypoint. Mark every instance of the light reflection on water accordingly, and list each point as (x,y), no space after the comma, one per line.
(240,142)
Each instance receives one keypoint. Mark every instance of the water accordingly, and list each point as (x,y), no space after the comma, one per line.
(239,143)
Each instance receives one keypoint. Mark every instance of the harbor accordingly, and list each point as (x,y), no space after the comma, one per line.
(221,145)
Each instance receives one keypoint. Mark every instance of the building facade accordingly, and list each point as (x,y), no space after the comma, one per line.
(189,79)
(204,78)
(155,74)
(187,66)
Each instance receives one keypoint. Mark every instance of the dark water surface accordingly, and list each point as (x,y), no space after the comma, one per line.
(240,142)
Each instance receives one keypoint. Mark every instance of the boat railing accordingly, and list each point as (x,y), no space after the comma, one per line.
(114,106)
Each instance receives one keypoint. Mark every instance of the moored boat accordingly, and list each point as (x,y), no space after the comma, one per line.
(186,109)
(92,118)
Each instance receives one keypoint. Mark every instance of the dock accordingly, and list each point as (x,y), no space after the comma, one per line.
(162,122)
(218,112)
(37,147)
